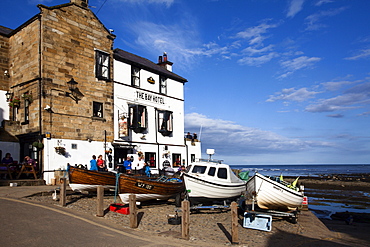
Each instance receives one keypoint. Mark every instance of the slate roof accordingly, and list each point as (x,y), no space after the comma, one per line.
(144,63)
(5,31)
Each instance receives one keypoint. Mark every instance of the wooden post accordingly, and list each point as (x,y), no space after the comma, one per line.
(133,213)
(234,223)
(63,194)
(185,221)
(99,196)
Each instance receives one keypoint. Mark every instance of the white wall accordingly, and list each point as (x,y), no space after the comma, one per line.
(82,155)
(4,107)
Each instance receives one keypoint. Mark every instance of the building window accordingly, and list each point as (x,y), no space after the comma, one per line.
(26,111)
(97,109)
(176,160)
(135,77)
(165,122)
(162,85)
(151,159)
(15,114)
(102,65)
(138,118)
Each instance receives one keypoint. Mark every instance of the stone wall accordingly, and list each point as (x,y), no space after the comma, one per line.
(47,53)
(4,58)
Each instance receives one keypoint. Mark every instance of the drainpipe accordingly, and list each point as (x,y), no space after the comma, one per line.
(156,135)
(41,163)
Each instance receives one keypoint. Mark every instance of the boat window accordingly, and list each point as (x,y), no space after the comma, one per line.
(199,169)
(222,173)
(212,171)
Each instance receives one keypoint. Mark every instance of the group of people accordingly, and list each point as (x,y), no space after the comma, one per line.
(191,137)
(98,164)
(8,160)
(130,167)
(140,166)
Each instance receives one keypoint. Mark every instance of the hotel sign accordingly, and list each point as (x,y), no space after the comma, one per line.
(151,80)
(150,97)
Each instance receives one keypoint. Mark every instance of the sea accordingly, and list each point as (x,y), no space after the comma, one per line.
(306,170)
(321,207)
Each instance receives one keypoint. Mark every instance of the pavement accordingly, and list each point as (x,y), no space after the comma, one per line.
(26,223)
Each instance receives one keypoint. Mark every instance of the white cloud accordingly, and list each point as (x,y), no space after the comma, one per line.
(168,3)
(254,35)
(229,138)
(294,7)
(313,22)
(335,85)
(297,63)
(365,53)
(291,94)
(348,101)
(321,2)
(257,61)
(253,50)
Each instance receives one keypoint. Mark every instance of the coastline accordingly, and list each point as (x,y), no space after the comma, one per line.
(213,228)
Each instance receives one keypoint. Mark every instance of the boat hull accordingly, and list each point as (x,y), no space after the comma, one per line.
(147,189)
(203,189)
(273,195)
(86,180)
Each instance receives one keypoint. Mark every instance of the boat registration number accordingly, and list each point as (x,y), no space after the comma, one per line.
(144,185)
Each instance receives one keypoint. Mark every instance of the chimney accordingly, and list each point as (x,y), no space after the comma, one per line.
(162,61)
(82,3)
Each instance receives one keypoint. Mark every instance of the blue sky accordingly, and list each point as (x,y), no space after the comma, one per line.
(269,81)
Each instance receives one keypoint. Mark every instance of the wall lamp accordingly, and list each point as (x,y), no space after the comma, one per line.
(8,96)
(72,86)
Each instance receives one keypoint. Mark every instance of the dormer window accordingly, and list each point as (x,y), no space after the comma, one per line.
(138,118)
(135,77)
(101,65)
(162,85)
(165,122)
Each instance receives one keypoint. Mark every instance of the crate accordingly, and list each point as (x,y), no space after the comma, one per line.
(119,208)
(261,222)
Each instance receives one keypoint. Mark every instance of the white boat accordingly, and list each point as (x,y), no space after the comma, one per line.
(274,194)
(209,180)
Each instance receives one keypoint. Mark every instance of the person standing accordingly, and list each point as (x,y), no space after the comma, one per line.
(93,164)
(147,170)
(128,164)
(101,164)
(140,165)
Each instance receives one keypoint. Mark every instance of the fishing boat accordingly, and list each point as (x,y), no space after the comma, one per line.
(273,193)
(210,181)
(146,188)
(85,180)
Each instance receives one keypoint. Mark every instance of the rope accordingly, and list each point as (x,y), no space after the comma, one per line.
(116,187)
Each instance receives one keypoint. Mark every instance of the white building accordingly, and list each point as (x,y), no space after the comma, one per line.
(149,112)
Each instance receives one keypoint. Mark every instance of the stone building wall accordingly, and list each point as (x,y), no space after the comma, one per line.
(70,36)
(48,52)
(4,58)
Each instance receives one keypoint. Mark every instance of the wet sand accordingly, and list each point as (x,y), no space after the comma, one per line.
(213,228)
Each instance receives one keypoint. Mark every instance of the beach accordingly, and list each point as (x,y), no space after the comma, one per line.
(213,228)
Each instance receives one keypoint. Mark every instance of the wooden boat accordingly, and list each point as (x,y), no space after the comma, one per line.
(145,188)
(85,180)
(209,180)
(272,193)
